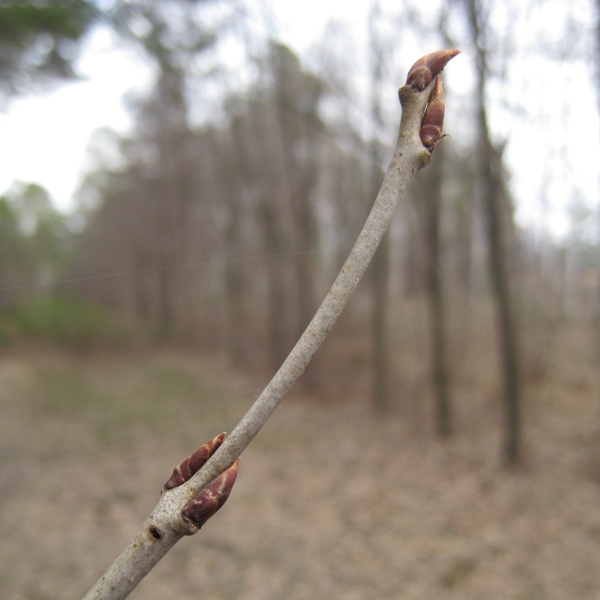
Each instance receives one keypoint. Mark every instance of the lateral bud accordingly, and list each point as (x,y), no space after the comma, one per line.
(433,118)
(193,463)
(209,500)
(422,73)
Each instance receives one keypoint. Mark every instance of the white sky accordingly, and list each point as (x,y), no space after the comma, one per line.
(43,139)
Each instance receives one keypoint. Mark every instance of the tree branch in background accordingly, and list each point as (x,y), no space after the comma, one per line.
(184,508)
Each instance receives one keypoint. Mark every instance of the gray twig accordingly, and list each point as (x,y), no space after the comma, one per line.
(164,527)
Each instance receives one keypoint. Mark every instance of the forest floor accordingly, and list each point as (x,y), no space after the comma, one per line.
(332,500)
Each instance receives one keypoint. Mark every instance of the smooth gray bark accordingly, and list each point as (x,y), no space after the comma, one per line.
(164,527)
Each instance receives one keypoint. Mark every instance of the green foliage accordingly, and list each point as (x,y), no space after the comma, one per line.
(65,321)
(35,240)
(18,20)
(39,41)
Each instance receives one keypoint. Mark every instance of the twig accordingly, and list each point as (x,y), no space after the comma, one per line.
(420,131)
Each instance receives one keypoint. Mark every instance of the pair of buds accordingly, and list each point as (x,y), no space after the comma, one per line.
(214,495)
(420,75)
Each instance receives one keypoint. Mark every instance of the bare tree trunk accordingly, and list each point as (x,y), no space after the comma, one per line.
(505,318)
(464,241)
(183,184)
(140,292)
(379,324)
(276,285)
(493,194)
(598,98)
(306,226)
(234,289)
(439,361)
(413,283)
(166,275)
(165,297)
(380,263)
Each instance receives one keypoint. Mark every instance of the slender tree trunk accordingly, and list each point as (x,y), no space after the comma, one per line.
(379,323)
(598,201)
(464,241)
(276,285)
(184,194)
(506,326)
(435,297)
(165,299)
(493,196)
(234,288)
(381,260)
(380,266)
(306,226)
(140,292)
(166,275)
(412,265)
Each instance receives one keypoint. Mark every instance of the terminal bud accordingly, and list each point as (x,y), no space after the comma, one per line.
(422,73)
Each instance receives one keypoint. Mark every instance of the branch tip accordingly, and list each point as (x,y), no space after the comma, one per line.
(422,73)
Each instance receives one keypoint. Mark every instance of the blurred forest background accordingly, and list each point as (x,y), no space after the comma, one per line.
(222,218)
(217,223)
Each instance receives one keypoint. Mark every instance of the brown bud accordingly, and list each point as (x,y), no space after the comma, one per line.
(209,500)
(194,463)
(422,73)
(433,119)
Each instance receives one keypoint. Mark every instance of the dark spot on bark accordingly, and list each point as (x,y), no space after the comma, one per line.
(155,532)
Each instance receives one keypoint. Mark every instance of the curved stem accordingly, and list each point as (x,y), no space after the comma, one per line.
(163,528)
